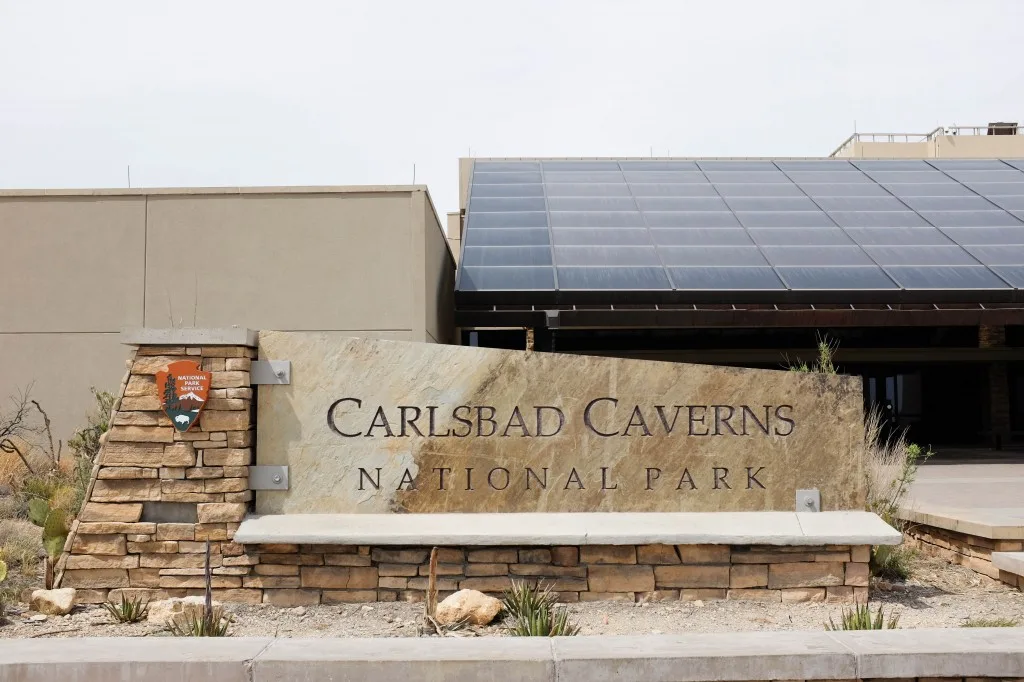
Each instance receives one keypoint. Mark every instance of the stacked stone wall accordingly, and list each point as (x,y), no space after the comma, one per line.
(971,551)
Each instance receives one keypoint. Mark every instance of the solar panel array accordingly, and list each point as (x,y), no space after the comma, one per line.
(734,225)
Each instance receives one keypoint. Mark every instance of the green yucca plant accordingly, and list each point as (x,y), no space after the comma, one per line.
(860,617)
(210,622)
(127,610)
(533,612)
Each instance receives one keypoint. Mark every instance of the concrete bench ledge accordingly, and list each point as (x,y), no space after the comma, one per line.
(618,528)
(188,336)
(994,523)
(729,657)
(1011,562)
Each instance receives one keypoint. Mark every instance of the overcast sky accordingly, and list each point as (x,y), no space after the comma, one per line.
(316,93)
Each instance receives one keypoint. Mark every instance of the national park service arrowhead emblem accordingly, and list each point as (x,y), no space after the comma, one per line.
(183,390)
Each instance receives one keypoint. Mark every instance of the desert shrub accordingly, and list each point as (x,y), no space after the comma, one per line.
(20,546)
(127,610)
(893,562)
(860,617)
(533,612)
(823,364)
(990,623)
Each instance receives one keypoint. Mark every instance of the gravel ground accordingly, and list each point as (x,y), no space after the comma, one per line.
(939,595)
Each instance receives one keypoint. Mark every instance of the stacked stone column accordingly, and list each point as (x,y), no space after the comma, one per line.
(159,495)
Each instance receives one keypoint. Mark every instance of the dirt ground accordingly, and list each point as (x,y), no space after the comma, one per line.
(939,595)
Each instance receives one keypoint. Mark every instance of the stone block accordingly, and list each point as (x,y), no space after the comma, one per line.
(704,554)
(170,582)
(228,457)
(608,596)
(94,596)
(213,364)
(144,593)
(657,554)
(141,434)
(146,403)
(181,487)
(229,380)
(278,548)
(565,556)
(492,556)
(608,554)
(442,569)
(748,575)
(443,584)
(755,594)
(154,363)
(76,561)
(226,485)
(339,577)
(112,472)
(398,570)
(141,419)
(226,404)
(840,593)
(240,439)
(546,570)
(104,578)
(99,544)
(144,577)
(140,385)
(348,596)
(161,547)
(620,578)
(237,364)
(394,583)
(294,559)
(535,556)
(188,547)
(236,472)
(176,560)
(238,595)
(857,575)
(400,556)
(840,557)
(169,473)
(224,352)
(204,472)
(812,574)
(702,594)
(803,594)
(271,581)
(225,512)
(106,490)
(773,557)
(860,553)
(449,555)
(484,584)
(567,584)
(658,595)
(104,528)
(692,576)
(347,560)
(132,454)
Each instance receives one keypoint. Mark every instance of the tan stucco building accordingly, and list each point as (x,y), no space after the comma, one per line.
(80,265)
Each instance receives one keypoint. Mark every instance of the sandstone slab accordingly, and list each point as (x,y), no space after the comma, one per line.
(53,602)
(371,426)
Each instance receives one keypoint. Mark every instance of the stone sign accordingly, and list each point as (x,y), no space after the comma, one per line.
(376,426)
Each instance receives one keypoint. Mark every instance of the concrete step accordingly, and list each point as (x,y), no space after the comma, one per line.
(1011,562)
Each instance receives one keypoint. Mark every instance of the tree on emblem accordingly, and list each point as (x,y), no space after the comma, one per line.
(170,392)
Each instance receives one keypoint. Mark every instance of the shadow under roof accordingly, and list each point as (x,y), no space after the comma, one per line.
(830,230)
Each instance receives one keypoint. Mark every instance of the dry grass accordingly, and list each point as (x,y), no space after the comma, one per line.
(20,546)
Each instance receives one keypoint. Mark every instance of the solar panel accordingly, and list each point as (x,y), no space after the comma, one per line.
(743,225)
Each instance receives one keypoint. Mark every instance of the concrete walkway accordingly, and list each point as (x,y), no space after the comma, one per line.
(988,497)
(959,653)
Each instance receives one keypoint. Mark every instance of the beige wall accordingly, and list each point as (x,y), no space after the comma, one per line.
(939,147)
(82,265)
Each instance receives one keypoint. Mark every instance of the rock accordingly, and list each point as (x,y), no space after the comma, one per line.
(53,602)
(38,618)
(161,612)
(470,606)
(299,611)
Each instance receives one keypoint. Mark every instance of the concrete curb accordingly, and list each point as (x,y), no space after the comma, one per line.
(189,336)
(728,657)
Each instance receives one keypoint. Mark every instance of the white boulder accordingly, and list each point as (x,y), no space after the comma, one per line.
(53,602)
(470,606)
(163,611)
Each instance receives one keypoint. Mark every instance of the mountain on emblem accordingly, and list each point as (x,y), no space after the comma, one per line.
(183,389)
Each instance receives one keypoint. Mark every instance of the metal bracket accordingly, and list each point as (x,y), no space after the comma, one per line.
(270,372)
(808,500)
(268,478)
